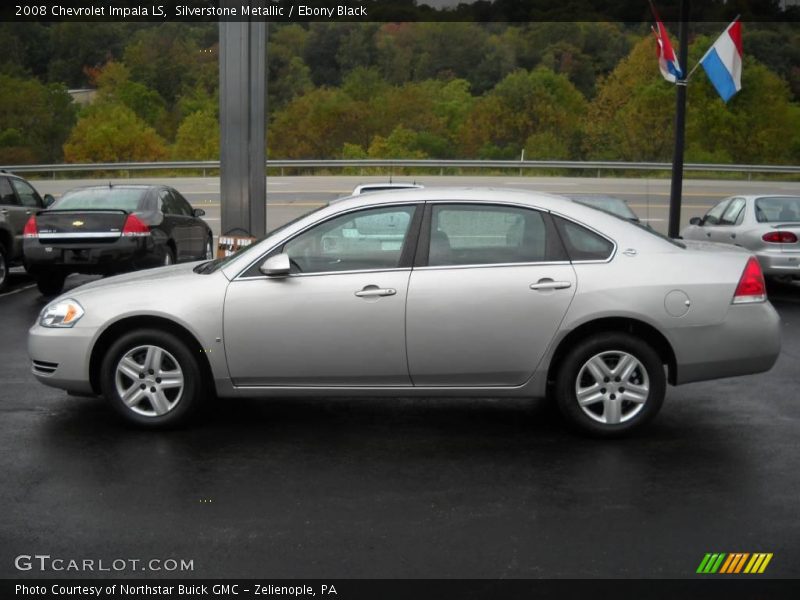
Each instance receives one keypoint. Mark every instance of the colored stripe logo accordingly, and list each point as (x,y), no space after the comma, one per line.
(734,563)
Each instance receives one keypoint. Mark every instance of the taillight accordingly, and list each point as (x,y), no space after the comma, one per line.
(31,230)
(134,227)
(751,286)
(780,237)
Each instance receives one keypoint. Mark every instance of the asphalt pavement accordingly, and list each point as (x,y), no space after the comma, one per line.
(453,488)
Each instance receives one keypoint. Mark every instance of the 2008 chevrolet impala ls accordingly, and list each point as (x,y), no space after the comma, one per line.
(461,292)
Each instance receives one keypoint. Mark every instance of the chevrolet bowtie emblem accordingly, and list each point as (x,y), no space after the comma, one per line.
(77,223)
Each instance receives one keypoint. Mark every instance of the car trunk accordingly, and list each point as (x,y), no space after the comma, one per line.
(71,227)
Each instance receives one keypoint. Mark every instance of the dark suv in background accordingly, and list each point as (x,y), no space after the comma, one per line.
(18,201)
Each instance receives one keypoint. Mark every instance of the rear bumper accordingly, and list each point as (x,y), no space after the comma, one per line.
(60,358)
(748,341)
(123,254)
(779,263)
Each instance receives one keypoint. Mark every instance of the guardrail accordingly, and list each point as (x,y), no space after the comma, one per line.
(598,165)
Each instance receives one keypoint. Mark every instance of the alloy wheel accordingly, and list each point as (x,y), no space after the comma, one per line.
(149,381)
(612,387)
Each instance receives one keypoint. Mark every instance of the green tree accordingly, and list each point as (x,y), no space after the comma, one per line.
(198,137)
(114,85)
(526,108)
(109,132)
(35,119)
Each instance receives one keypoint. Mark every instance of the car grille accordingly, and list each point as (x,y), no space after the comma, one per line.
(42,367)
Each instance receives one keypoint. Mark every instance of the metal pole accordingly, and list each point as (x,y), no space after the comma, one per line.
(676,189)
(242,102)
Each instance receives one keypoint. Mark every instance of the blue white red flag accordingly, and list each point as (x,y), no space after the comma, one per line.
(667,61)
(723,61)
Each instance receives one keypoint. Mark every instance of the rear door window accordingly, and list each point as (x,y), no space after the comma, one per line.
(733,212)
(468,234)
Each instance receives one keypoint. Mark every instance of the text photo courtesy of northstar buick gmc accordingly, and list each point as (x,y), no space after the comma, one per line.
(431,292)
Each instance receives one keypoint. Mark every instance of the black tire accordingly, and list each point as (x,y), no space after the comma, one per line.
(613,414)
(144,411)
(169,256)
(3,268)
(50,284)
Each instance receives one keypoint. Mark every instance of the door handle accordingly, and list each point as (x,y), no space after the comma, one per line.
(549,284)
(373,291)
(3,211)
(708,234)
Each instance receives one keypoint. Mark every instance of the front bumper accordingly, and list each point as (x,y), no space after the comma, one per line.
(60,357)
(747,341)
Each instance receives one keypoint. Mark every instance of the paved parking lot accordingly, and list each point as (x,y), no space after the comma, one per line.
(402,488)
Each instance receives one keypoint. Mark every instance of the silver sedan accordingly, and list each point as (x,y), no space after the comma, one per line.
(459,292)
(768,226)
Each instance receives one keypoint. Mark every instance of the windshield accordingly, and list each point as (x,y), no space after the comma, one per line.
(778,209)
(218,263)
(101,198)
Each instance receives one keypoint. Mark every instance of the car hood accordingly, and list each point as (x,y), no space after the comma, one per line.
(148,276)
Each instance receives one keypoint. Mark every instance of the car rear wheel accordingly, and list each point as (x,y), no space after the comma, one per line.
(152,379)
(50,284)
(3,268)
(610,384)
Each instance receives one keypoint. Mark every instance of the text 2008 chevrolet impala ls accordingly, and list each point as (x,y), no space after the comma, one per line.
(461,292)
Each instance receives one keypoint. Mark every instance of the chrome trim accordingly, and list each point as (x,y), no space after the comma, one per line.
(322,274)
(487,265)
(551,285)
(92,235)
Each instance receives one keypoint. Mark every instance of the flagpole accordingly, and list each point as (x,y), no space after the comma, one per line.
(676,188)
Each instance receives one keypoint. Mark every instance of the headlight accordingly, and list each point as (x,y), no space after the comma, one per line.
(64,313)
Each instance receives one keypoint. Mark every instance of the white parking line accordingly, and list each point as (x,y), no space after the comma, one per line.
(22,289)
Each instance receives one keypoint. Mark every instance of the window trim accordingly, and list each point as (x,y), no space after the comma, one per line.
(406,257)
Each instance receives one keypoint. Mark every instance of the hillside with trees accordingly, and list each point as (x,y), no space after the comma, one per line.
(557,90)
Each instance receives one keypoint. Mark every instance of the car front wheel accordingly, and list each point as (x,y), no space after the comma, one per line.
(610,384)
(152,378)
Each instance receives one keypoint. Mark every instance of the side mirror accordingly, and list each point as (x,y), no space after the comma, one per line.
(276,266)
(199,212)
(48,200)
(695,221)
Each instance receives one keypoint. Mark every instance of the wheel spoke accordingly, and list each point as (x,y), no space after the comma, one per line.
(598,368)
(133,395)
(590,395)
(128,367)
(159,402)
(636,393)
(612,411)
(153,358)
(625,367)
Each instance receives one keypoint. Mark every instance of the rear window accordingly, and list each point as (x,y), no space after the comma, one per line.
(778,209)
(581,243)
(102,198)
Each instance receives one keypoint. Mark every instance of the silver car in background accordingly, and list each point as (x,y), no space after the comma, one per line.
(768,226)
(439,291)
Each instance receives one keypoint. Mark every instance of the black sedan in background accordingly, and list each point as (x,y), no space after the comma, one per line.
(112,229)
